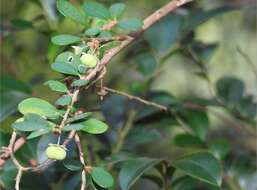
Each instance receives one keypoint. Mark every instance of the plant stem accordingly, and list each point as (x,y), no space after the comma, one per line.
(124,132)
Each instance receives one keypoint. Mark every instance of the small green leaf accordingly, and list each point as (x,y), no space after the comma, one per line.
(82,116)
(96,10)
(68,10)
(79,83)
(67,63)
(39,107)
(203,166)
(30,122)
(117,9)
(57,86)
(94,126)
(133,169)
(39,132)
(74,126)
(101,177)
(92,31)
(73,165)
(65,39)
(131,25)
(63,100)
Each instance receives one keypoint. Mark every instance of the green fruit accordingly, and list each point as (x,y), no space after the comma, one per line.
(56,152)
(89,60)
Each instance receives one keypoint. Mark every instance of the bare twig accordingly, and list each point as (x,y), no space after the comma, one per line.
(248,60)
(82,161)
(124,132)
(131,97)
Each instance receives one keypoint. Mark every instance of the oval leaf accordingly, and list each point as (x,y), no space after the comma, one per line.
(39,132)
(75,126)
(80,82)
(64,100)
(68,10)
(131,25)
(132,170)
(117,9)
(94,126)
(92,31)
(57,86)
(72,165)
(64,39)
(96,10)
(67,63)
(101,177)
(30,122)
(39,107)
(203,166)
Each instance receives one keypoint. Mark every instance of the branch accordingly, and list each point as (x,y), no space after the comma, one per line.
(188,105)
(124,132)
(143,101)
(149,21)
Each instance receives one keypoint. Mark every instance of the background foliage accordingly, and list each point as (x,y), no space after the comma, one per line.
(198,61)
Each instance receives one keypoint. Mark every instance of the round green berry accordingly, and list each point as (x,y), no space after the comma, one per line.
(56,152)
(89,60)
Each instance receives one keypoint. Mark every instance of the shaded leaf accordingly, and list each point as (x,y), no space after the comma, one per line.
(220,148)
(63,100)
(101,177)
(82,116)
(39,132)
(133,169)
(199,122)
(198,17)
(73,165)
(9,100)
(96,10)
(169,28)
(146,63)
(92,31)
(74,126)
(117,9)
(203,166)
(230,89)
(79,83)
(187,140)
(21,23)
(131,25)
(65,39)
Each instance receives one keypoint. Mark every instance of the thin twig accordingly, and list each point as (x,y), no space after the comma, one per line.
(124,132)
(82,161)
(131,97)
(18,179)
